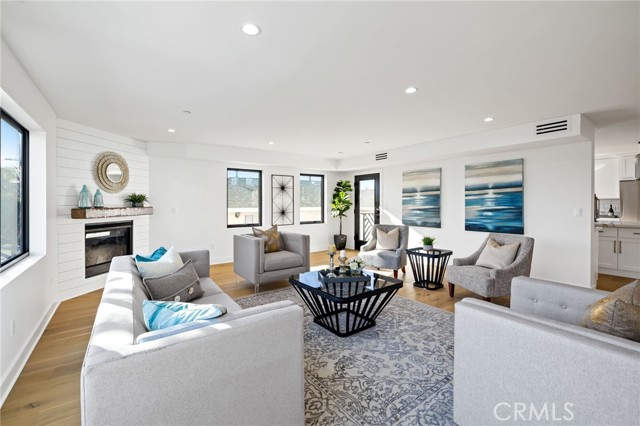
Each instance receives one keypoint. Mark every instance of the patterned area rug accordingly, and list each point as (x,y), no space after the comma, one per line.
(399,372)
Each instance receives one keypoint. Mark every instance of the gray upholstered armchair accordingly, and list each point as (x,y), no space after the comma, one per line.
(253,264)
(386,259)
(487,282)
(536,354)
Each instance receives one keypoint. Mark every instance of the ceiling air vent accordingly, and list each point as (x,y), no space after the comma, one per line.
(552,127)
(381,156)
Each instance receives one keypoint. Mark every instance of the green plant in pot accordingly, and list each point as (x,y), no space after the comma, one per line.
(136,200)
(340,205)
(427,242)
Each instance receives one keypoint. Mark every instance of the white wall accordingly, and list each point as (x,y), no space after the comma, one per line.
(557,180)
(27,290)
(190,194)
(190,203)
(78,147)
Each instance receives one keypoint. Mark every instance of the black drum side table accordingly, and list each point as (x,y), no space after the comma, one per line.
(428,266)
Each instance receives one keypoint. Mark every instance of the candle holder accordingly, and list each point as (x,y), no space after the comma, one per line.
(343,264)
(331,274)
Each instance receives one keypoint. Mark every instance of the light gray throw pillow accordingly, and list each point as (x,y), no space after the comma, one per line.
(495,256)
(180,286)
(387,240)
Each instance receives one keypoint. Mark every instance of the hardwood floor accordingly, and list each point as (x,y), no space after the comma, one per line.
(48,389)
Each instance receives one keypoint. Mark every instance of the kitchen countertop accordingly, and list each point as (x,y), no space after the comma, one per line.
(617,224)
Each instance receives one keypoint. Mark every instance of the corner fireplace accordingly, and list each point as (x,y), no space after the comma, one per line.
(104,241)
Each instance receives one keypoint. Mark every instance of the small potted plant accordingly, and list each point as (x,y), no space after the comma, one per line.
(427,242)
(136,200)
(356,264)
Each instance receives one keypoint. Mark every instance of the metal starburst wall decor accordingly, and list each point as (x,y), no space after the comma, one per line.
(282,207)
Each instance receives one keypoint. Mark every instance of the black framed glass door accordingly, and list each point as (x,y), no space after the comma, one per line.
(367,207)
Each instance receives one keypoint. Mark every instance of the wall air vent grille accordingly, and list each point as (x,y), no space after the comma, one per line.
(381,156)
(552,127)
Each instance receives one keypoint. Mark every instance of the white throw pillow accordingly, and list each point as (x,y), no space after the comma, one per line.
(495,256)
(169,263)
(388,240)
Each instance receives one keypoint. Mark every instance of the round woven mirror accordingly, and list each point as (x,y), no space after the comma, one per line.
(112,172)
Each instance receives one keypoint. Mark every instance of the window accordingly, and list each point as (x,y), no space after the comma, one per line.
(244,198)
(311,198)
(14,226)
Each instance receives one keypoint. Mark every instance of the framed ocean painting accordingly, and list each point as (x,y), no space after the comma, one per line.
(421,198)
(494,197)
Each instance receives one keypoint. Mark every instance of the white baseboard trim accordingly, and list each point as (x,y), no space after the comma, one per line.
(619,273)
(23,356)
(79,291)
(220,260)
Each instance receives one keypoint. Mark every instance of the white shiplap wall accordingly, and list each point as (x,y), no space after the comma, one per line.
(77,149)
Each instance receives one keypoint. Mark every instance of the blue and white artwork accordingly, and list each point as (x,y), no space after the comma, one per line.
(494,197)
(421,198)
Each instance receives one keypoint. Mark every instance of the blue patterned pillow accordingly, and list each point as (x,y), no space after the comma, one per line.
(162,314)
(153,257)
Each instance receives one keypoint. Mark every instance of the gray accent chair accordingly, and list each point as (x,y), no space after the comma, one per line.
(487,282)
(534,353)
(386,259)
(253,264)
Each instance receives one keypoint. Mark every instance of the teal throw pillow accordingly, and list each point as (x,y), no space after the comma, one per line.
(153,257)
(163,314)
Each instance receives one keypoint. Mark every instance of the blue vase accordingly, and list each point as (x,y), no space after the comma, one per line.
(84,201)
(98,202)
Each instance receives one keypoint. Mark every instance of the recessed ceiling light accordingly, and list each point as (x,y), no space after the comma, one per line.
(270,142)
(186,111)
(171,130)
(340,152)
(410,90)
(367,142)
(251,29)
(488,119)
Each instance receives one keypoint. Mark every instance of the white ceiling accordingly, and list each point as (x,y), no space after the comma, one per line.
(326,77)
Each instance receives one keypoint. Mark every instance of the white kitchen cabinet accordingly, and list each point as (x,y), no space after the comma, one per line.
(608,248)
(606,180)
(619,251)
(629,249)
(607,253)
(627,168)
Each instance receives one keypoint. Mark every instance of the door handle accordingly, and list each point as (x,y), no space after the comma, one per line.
(636,233)
(601,231)
(619,247)
(614,246)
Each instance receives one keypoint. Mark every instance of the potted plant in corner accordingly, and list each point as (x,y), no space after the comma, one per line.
(427,242)
(136,200)
(340,205)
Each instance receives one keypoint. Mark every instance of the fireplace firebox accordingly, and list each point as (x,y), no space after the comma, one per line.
(104,241)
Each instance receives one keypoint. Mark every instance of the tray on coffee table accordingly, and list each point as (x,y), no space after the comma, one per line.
(347,277)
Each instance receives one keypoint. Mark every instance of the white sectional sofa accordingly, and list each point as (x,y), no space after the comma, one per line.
(533,365)
(245,367)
